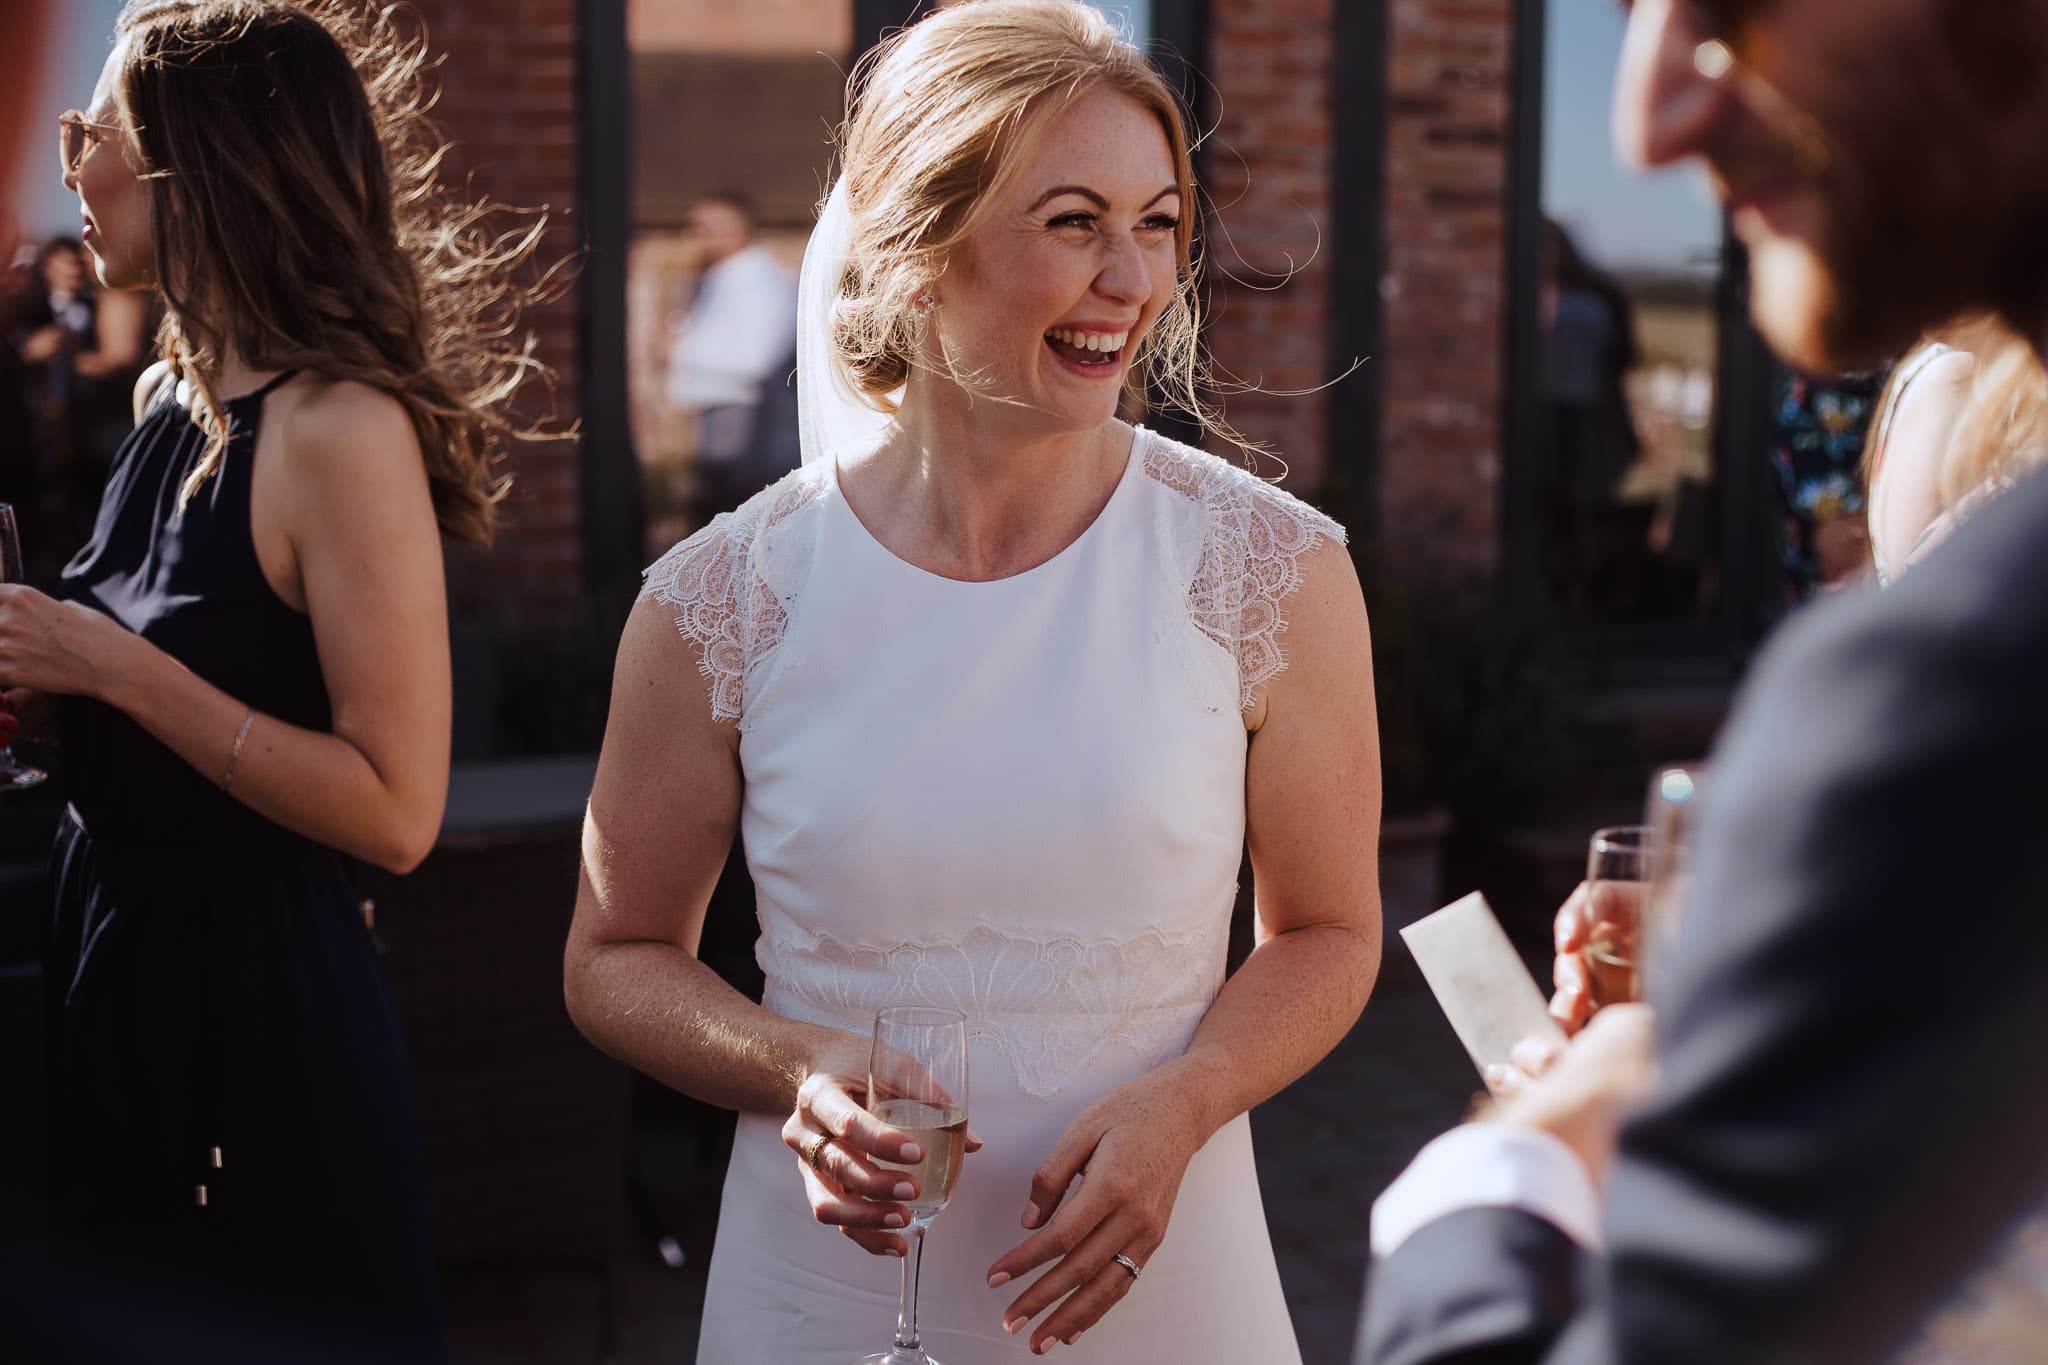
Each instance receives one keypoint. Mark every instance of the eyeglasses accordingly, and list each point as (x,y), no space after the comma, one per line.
(77,135)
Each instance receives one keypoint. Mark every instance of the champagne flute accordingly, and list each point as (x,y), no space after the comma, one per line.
(14,774)
(917,1084)
(1670,812)
(1618,872)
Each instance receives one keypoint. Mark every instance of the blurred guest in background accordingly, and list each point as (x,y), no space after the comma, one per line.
(1910,433)
(81,350)
(20,481)
(1818,427)
(1965,415)
(1590,439)
(733,346)
(1829,1155)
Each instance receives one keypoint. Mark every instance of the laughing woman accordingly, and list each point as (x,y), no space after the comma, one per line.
(247,668)
(995,687)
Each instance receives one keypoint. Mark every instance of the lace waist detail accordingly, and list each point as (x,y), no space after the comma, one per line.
(1052,1004)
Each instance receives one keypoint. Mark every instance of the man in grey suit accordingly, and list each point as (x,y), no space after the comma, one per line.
(1843,1130)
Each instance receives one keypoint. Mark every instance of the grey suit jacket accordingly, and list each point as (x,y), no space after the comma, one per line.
(1853,1015)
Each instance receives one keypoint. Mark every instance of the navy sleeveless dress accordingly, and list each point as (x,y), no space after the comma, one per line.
(219,1018)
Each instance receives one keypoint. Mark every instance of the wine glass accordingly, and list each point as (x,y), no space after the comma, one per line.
(14,774)
(917,1084)
(1618,870)
(1669,813)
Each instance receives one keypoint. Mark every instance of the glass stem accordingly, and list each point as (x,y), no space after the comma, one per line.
(906,1312)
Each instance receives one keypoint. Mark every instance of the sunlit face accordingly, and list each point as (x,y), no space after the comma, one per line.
(1870,155)
(1049,300)
(112,198)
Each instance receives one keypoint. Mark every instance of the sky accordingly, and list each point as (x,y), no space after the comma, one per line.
(1135,14)
(85,31)
(1620,217)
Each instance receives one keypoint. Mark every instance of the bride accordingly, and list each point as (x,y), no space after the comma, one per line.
(995,687)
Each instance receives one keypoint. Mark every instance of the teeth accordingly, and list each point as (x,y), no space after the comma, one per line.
(1090,341)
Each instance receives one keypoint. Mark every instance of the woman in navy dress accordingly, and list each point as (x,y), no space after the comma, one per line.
(247,669)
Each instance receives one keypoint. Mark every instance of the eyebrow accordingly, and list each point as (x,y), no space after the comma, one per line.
(1092,197)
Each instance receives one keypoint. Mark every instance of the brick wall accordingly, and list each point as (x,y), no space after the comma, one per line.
(1268,175)
(508,106)
(1448,115)
(755,26)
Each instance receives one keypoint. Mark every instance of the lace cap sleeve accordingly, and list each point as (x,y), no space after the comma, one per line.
(730,596)
(1254,538)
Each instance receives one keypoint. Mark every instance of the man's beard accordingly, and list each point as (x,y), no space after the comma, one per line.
(1919,221)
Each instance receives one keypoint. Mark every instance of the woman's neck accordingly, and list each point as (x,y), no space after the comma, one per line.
(237,377)
(976,493)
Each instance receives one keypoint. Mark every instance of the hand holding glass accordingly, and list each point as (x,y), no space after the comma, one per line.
(1617,880)
(917,1084)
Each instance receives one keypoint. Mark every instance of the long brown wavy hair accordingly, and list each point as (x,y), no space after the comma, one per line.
(297,216)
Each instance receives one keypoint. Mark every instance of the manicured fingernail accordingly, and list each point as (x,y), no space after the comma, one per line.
(1040,1347)
(904,1189)
(999,1279)
(1010,1326)
(897,1252)
(892,1220)
(1031,1215)
(1496,1075)
(912,1152)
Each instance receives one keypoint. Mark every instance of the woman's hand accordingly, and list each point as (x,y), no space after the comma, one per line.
(57,647)
(1133,1146)
(838,1144)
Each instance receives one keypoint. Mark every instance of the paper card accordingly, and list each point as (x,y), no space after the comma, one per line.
(1479,980)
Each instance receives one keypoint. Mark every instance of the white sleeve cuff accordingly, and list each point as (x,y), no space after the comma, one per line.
(1489,1165)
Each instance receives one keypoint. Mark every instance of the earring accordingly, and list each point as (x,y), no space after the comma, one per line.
(925,304)
(1713,59)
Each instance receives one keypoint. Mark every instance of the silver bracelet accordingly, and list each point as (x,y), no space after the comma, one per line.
(235,755)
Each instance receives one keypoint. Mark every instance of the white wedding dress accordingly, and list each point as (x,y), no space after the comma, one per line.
(1023,799)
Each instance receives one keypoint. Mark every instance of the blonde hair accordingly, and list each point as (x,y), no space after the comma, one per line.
(944,117)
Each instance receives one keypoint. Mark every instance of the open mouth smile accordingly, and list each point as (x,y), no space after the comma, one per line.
(1092,354)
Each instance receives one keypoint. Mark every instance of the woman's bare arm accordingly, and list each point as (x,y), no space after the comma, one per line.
(662,816)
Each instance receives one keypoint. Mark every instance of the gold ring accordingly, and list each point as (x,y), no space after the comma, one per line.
(1127,1263)
(814,1149)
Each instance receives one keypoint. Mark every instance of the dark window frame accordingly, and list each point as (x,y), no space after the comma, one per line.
(1745,539)
(1358,96)
(610,515)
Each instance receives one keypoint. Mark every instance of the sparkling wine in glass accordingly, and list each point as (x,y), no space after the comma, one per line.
(1618,872)
(917,1082)
(14,774)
